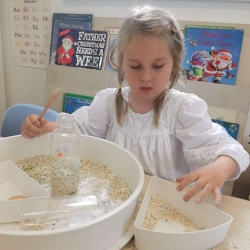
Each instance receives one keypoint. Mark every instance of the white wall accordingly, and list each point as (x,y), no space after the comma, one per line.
(24,84)
(2,85)
(199,10)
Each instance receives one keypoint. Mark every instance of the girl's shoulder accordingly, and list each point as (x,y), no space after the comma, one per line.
(177,102)
(181,105)
(174,96)
(177,98)
(105,95)
(109,92)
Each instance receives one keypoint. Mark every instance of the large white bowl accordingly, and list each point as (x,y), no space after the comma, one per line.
(99,235)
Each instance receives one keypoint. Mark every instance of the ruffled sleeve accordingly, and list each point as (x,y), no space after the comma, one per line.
(94,120)
(203,141)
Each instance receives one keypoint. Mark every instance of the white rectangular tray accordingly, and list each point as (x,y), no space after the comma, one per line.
(14,181)
(216,222)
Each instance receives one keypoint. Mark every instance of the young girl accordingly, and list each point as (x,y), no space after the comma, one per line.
(170,132)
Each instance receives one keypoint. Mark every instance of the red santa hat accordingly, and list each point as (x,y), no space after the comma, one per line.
(68,38)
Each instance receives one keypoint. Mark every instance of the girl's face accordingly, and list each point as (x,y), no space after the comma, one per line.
(147,66)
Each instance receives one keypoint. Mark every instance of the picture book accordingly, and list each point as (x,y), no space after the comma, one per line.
(209,26)
(86,18)
(81,48)
(111,52)
(61,24)
(212,55)
(231,128)
(73,102)
(206,26)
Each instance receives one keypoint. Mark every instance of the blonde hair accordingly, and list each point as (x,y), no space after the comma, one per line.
(148,21)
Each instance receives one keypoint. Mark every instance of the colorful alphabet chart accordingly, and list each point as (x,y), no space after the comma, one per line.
(30,27)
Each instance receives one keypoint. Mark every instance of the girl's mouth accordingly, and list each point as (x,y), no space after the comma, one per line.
(146,89)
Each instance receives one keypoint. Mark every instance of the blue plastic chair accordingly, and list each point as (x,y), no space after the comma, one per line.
(16,114)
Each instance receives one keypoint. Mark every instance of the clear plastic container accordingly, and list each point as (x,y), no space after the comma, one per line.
(60,212)
(65,156)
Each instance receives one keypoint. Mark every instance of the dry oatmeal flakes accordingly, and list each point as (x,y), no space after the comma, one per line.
(159,210)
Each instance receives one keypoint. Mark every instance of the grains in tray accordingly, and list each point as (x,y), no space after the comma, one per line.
(94,177)
(104,180)
(64,175)
(159,211)
(37,167)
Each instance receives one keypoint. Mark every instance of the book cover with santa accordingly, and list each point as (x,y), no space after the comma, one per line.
(81,48)
(212,55)
(64,25)
(66,17)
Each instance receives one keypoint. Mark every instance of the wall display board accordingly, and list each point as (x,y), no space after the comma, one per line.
(72,102)
(81,48)
(30,24)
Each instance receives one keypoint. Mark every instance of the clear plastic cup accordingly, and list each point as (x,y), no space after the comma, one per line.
(65,211)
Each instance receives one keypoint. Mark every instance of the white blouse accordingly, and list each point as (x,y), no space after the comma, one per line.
(185,140)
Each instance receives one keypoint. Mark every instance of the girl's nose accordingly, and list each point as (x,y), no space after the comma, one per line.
(146,75)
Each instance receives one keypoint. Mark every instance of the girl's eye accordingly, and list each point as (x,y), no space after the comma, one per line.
(158,66)
(135,67)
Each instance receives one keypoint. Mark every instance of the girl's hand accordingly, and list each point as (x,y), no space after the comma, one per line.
(32,127)
(209,178)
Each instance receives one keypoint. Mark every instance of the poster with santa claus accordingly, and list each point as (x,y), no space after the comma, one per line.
(212,55)
(81,48)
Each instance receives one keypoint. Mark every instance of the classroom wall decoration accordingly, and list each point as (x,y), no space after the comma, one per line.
(212,55)
(30,23)
(81,48)
(72,102)
(67,21)
(231,128)
(111,53)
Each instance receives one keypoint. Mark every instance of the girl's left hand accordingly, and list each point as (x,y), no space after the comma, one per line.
(210,178)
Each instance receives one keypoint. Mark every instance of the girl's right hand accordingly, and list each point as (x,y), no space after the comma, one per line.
(32,127)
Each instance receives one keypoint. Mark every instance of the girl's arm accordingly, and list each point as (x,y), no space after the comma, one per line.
(50,126)
(94,120)
(32,127)
(212,155)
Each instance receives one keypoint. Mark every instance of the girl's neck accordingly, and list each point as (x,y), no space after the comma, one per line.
(140,106)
